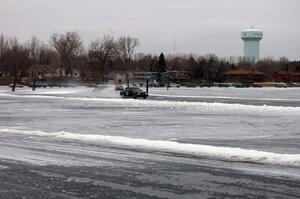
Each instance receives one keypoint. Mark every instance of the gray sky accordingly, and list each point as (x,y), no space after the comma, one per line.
(197,26)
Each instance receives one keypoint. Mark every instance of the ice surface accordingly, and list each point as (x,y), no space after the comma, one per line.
(249,132)
(242,139)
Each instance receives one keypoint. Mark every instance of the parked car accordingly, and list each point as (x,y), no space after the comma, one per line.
(189,84)
(226,85)
(206,84)
(257,85)
(281,85)
(237,85)
(293,84)
(154,85)
(173,84)
(38,84)
(16,86)
(133,92)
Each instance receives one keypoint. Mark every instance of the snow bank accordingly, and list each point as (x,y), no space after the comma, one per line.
(227,153)
(225,97)
(214,106)
(60,92)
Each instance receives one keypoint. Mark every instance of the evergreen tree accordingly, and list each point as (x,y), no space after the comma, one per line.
(287,68)
(161,64)
(161,67)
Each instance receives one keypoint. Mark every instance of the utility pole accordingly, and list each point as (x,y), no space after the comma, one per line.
(147,85)
(127,80)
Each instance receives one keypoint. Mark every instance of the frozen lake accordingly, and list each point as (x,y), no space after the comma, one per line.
(178,143)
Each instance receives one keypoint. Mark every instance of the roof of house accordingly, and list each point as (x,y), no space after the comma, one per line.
(41,69)
(176,71)
(244,72)
(281,72)
(296,73)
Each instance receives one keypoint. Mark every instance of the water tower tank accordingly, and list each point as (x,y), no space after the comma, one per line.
(251,38)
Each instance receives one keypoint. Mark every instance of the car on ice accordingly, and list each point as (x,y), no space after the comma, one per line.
(133,92)
(119,88)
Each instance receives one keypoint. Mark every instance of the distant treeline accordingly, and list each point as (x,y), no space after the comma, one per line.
(108,54)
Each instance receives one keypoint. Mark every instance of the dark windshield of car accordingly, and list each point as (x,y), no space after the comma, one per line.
(135,89)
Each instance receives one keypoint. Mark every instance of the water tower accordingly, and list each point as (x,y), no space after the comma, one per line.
(251,38)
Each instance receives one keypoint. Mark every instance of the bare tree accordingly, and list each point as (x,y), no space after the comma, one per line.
(14,58)
(126,47)
(100,50)
(146,61)
(68,46)
(13,54)
(35,46)
(4,46)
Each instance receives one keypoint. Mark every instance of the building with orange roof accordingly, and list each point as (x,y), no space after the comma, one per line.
(244,75)
(286,76)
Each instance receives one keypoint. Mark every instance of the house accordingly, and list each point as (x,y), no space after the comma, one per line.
(4,74)
(50,72)
(286,76)
(176,76)
(138,77)
(75,73)
(117,77)
(41,71)
(244,75)
(296,76)
(5,77)
(142,77)
(61,72)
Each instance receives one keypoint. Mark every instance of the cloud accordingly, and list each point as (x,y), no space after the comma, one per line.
(199,26)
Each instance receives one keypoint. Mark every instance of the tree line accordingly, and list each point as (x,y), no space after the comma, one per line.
(107,54)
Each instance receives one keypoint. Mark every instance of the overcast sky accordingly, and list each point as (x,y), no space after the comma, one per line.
(196,26)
